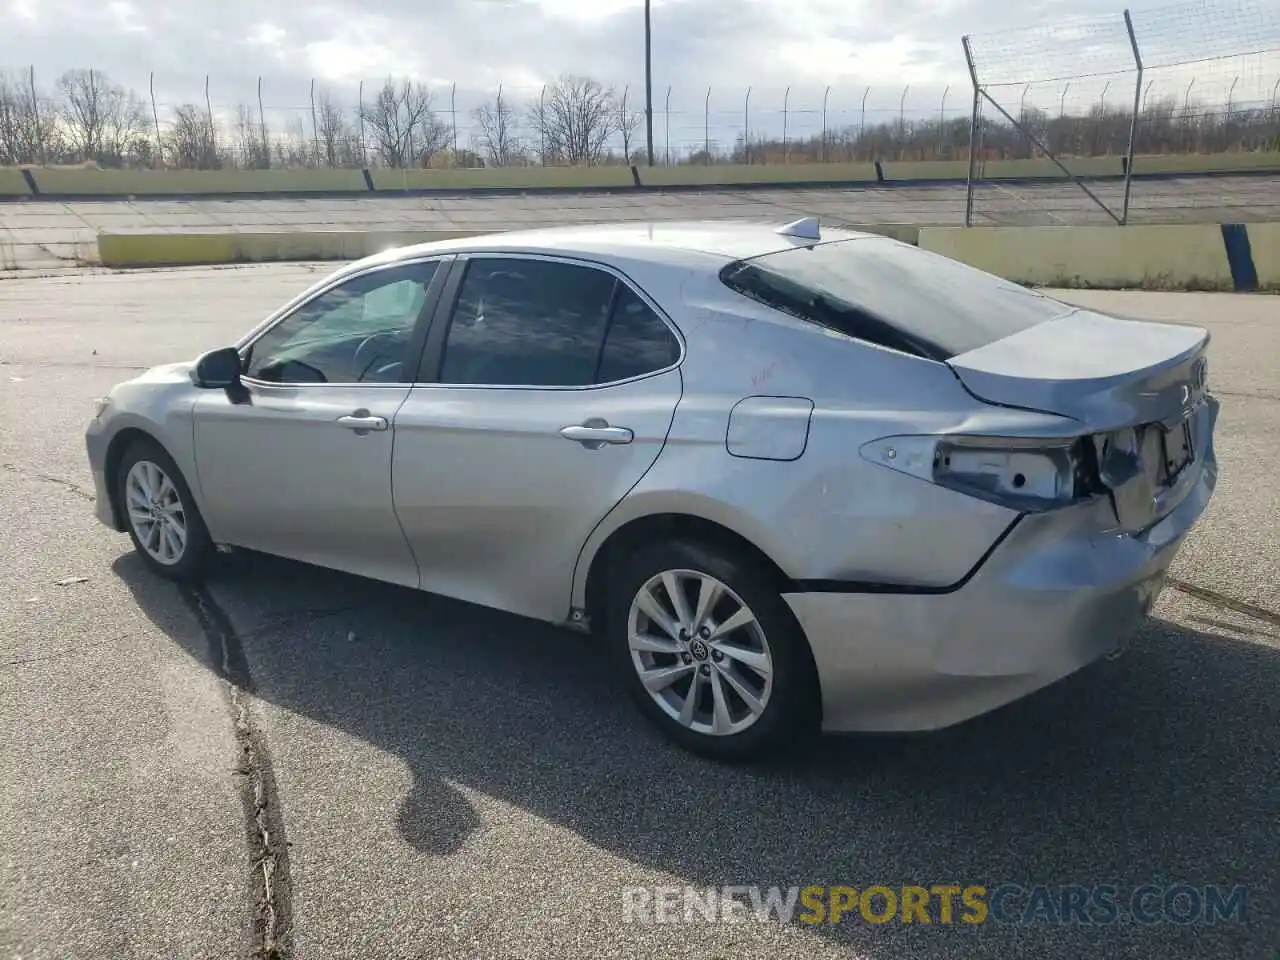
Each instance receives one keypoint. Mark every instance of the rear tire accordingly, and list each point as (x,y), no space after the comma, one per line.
(160,514)
(739,693)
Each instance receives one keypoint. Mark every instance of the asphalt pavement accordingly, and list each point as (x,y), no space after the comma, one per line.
(435,780)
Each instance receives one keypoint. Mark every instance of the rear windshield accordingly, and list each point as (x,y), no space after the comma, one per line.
(892,294)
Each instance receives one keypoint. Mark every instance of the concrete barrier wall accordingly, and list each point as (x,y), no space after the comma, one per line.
(1258,161)
(141,249)
(952,170)
(903,232)
(73,182)
(743,174)
(503,178)
(1154,257)
(141,183)
(13,183)
(1264,251)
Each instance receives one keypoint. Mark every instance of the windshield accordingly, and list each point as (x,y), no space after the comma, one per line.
(893,294)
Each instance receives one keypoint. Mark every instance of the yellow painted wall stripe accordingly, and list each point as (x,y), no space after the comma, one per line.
(1264,244)
(138,249)
(510,178)
(119,183)
(13,183)
(1164,256)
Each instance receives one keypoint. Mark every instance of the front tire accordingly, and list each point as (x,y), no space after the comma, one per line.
(160,513)
(710,652)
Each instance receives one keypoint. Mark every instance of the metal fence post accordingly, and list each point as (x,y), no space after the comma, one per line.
(35,112)
(364,149)
(1275,118)
(626,134)
(862,119)
(902,123)
(262,128)
(973,132)
(666,128)
(1133,120)
(213,135)
(155,117)
(315,131)
(825,95)
(786,99)
(1022,117)
(706,128)
(942,119)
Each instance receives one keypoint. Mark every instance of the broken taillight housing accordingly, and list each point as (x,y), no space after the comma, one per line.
(1025,474)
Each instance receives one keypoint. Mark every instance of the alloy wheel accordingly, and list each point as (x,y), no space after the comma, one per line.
(700,652)
(156,512)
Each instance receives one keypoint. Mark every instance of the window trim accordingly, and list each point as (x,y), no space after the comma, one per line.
(433,356)
(417,337)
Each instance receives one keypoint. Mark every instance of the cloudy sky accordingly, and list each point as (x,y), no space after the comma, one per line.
(477,44)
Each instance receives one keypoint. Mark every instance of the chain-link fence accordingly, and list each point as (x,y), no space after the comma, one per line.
(1199,77)
(1205,78)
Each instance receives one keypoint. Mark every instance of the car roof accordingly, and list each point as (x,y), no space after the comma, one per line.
(706,244)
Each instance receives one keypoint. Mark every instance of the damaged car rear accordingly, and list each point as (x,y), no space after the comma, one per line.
(1087,439)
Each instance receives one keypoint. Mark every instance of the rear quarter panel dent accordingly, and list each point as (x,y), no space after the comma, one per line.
(828,516)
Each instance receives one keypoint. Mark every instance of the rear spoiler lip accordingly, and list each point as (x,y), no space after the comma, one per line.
(1159,391)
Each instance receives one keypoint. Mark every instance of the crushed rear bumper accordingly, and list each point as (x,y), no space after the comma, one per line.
(1063,589)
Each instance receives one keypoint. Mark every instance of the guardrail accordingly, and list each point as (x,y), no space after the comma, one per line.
(57,183)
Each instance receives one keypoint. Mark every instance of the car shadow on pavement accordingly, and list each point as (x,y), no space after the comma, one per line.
(1157,768)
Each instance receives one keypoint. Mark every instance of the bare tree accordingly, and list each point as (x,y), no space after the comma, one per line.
(27,131)
(192,143)
(574,120)
(497,141)
(334,132)
(405,128)
(251,139)
(100,117)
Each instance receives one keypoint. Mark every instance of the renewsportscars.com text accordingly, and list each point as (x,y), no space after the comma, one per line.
(941,904)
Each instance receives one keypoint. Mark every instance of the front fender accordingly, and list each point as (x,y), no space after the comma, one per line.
(160,405)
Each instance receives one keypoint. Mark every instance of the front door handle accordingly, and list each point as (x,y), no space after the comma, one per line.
(595,433)
(362,422)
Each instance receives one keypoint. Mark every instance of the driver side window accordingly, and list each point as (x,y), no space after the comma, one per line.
(357,332)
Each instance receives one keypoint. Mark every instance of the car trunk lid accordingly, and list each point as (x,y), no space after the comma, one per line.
(1138,388)
(1103,371)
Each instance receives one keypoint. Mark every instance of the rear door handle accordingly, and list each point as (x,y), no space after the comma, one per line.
(362,422)
(596,433)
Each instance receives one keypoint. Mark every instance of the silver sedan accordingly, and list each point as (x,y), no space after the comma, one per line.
(791,477)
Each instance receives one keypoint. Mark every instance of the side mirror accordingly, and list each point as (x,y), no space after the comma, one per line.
(217,369)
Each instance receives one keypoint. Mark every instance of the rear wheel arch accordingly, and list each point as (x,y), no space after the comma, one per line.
(630,559)
(638,533)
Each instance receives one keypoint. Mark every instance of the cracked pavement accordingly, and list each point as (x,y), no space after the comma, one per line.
(434,780)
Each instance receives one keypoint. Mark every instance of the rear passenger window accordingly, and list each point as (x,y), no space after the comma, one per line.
(542,323)
(638,341)
(527,323)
